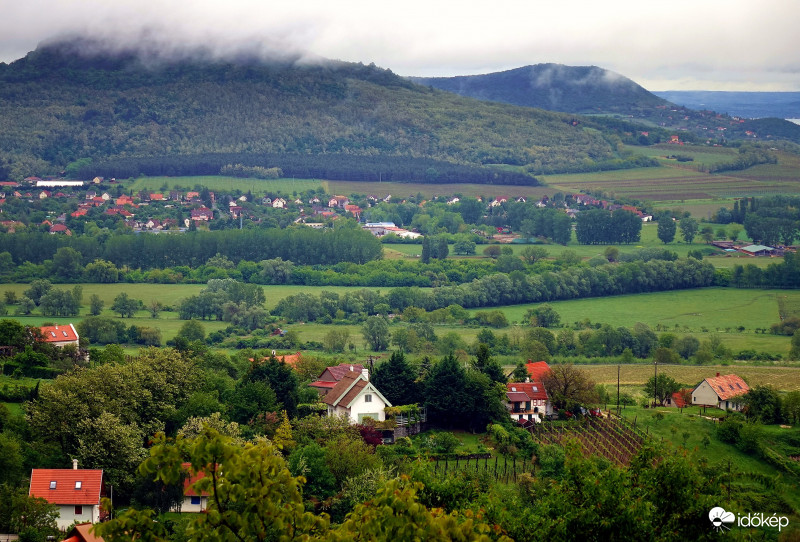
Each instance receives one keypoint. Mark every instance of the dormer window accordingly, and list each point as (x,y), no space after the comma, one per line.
(78,484)
(52,484)
(535,388)
(513,388)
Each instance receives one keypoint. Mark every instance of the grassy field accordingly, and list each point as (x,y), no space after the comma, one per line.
(681,183)
(699,312)
(688,430)
(715,309)
(634,377)
(649,239)
(258,187)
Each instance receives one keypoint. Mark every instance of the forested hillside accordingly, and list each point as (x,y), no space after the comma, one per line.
(117,115)
(590,90)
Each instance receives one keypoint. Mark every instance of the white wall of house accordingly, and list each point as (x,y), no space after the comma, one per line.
(194,504)
(67,515)
(361,407)
(367,403)
(704,394)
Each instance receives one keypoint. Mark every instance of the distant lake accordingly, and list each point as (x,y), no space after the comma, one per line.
(750,105)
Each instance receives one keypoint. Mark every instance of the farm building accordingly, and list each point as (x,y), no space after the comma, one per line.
(757,250)
(720,392)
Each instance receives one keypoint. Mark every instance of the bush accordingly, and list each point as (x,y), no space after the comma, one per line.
(445,443)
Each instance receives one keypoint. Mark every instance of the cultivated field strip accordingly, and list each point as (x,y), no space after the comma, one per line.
(781,378)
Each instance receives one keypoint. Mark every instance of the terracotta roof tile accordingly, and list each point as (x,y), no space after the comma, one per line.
(67,486)
(727,386)
(53,334)
(337,394)
(532,390)
(537,370)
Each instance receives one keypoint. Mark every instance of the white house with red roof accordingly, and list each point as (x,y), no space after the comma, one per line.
(193,501)
(720,391)
(76,492)
(60,335)
(527,401)
(332,375)
(355,397)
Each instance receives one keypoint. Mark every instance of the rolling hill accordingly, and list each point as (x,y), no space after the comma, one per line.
(589,90)
(70,106)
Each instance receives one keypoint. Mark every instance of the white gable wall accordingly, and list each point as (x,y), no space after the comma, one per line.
(361,407)
(704,394)
(67,515)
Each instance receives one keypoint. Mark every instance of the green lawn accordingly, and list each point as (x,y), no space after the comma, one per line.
(258,187)
(715,309)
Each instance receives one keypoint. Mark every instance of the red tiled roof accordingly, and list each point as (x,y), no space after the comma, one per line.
(342,393)
(57,334)
(338,372)
(678,400)
(537,369)
(532,390)
(727,386)
(81,533)
(190,480)
(517,396)
(323,384)
(64,492)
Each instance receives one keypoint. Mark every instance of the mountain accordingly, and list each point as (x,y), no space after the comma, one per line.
(75,105)
(589,90)
(555,87)
(751,105)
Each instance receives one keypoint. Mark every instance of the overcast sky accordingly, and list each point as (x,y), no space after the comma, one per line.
(675,45)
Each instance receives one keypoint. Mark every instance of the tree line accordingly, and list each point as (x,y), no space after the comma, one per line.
(517,287)
(300,245)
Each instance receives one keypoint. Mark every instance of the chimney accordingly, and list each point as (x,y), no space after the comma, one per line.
(527,380)
(74,464)
(717,374)
(365,373)
(352,369)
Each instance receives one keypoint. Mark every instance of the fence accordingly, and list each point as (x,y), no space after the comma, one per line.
(501,469)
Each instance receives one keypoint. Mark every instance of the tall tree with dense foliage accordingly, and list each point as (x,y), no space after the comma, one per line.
(569,386)
(376,333)
(397,380)
(666,229)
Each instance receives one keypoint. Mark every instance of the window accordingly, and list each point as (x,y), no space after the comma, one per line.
(52,484)
(196,501)
(78,484)
(535,388)
(78,510)
(368,398)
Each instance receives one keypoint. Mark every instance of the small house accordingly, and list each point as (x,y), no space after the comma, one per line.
(60,336)
(76,492)
(192,500)
(722,392)
(355,397)
(527,401)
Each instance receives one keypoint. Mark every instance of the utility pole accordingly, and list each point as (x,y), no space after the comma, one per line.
(655,382)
